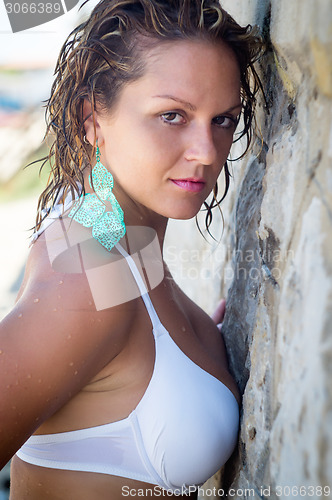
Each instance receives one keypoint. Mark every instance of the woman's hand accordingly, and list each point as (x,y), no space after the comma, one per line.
(219,313)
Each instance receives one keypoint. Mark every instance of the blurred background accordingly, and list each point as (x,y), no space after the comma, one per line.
(27,62)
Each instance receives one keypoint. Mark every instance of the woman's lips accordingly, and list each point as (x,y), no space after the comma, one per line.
(192,185)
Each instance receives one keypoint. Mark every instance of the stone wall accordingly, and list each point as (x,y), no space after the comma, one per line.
(274,263)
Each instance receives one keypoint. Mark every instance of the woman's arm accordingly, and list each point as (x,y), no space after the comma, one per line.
(51,344)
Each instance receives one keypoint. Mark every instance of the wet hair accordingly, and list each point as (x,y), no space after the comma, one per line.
(106,52)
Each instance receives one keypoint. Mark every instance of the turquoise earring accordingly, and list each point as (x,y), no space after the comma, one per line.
(108,227)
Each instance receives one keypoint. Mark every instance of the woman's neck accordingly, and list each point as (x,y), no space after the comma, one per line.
(135,214)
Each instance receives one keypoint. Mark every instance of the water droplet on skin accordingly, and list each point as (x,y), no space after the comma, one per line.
(76,372)
(1,352)
(20,315)
(29,375)
(36,301)
(71,364)
(183,328)
(55,309)
(60,282)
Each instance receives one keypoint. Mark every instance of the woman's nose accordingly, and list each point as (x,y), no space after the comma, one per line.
(201,146)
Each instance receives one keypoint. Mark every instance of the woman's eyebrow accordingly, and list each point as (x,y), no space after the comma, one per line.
(177,99)
(191,106)
(237,106)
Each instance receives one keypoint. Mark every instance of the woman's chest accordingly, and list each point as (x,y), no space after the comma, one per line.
(122,384)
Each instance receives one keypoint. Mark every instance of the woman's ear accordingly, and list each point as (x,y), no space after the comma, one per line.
(91,124)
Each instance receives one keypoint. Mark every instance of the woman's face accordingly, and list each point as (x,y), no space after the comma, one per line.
(170,132)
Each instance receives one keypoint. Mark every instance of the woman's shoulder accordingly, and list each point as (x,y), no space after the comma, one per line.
(67,273)
(53,342)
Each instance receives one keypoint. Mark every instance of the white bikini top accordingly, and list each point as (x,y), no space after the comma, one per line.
(181,432)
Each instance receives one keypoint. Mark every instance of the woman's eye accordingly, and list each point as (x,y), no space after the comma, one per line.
(225,121)
(172,118)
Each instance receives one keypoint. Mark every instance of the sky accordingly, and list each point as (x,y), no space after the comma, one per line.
(40,45)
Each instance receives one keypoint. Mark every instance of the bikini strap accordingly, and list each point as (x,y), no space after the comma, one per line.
(141,286)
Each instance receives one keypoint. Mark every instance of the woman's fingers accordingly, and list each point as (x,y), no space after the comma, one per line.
(219,313)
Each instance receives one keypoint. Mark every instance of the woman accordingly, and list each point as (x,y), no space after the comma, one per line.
(115,382)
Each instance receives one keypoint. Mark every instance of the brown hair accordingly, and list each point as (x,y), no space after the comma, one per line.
(105,52)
